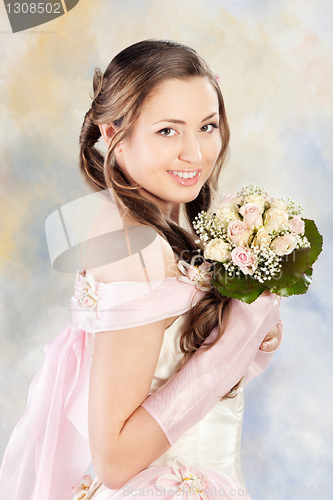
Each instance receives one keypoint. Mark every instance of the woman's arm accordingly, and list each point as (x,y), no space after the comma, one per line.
(124,438)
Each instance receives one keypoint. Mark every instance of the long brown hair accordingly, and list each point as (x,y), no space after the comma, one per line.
(119,94)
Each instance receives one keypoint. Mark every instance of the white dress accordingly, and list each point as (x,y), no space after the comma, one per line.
(214,442)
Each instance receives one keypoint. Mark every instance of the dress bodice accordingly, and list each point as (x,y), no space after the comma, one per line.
(214,441)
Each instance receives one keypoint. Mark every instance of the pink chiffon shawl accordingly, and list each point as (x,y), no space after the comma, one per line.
(48,451)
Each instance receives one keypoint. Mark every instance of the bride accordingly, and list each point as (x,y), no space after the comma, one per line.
(170,355)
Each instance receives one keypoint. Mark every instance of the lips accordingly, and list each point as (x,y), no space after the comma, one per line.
(182,179)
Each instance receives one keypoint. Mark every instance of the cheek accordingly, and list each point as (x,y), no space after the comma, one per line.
(144,151)
(212,150)
(134,156)
(218,146)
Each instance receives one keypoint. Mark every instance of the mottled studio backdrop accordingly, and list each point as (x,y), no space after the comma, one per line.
(274,58)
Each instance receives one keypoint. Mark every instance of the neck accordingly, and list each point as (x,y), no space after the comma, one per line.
(169,209)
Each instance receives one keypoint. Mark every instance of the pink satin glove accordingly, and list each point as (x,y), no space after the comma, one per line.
(264,356)
(207,376)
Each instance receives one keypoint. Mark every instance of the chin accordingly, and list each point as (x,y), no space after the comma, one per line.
(191,195)
(185,199)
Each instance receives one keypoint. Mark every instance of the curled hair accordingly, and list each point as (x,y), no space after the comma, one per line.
(118,96)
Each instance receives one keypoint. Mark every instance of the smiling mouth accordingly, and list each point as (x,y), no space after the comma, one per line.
(183,174)
(185,177)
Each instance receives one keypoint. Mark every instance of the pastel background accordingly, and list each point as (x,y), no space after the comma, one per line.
(275,61)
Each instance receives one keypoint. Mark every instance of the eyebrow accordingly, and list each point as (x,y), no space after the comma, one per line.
(172,120)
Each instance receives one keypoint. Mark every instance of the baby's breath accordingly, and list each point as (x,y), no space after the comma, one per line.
(302,241)
(268,263)
(208,227)
(294,208)
(252,189)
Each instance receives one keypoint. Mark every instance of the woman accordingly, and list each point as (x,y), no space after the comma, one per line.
(161,113)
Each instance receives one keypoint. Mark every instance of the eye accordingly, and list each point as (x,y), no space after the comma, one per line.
(209,127)
(167,132)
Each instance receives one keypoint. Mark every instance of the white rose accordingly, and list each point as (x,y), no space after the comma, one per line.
(227,212)
(262,237)
(284,245)
(217,249)
(244,239)
(275,218)
(255,198)
(281,205)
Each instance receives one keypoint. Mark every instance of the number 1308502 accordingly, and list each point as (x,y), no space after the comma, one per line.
(34,8)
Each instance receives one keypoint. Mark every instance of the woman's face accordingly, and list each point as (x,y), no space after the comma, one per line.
(174,144)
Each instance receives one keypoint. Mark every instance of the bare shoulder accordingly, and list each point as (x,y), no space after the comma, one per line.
(169,258)
(133,252)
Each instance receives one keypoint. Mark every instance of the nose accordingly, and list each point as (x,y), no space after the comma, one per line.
(190,149)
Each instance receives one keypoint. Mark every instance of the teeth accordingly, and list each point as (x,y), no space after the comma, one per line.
(184,175)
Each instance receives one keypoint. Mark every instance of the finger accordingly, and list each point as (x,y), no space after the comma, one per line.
(273,332)
(270,345)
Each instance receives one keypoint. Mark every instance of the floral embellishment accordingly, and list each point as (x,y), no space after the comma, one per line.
(86,488)
(188,481)
(82,486)
(200,276)
(88,298)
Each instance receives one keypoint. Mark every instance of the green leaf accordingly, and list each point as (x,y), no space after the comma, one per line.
(315,240)
(245,296)
(293,266)
(301,286)
(236,284)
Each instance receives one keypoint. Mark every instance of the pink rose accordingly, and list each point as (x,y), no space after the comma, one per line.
(236,228)
(284,245)
(229,197)
(296,224)
(251,213)
(244,259)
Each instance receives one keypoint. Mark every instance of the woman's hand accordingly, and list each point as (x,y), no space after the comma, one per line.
(271,341)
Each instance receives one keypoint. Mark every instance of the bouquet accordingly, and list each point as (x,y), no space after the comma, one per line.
(256,242)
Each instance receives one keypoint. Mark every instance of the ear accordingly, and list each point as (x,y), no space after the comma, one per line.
(107,131)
